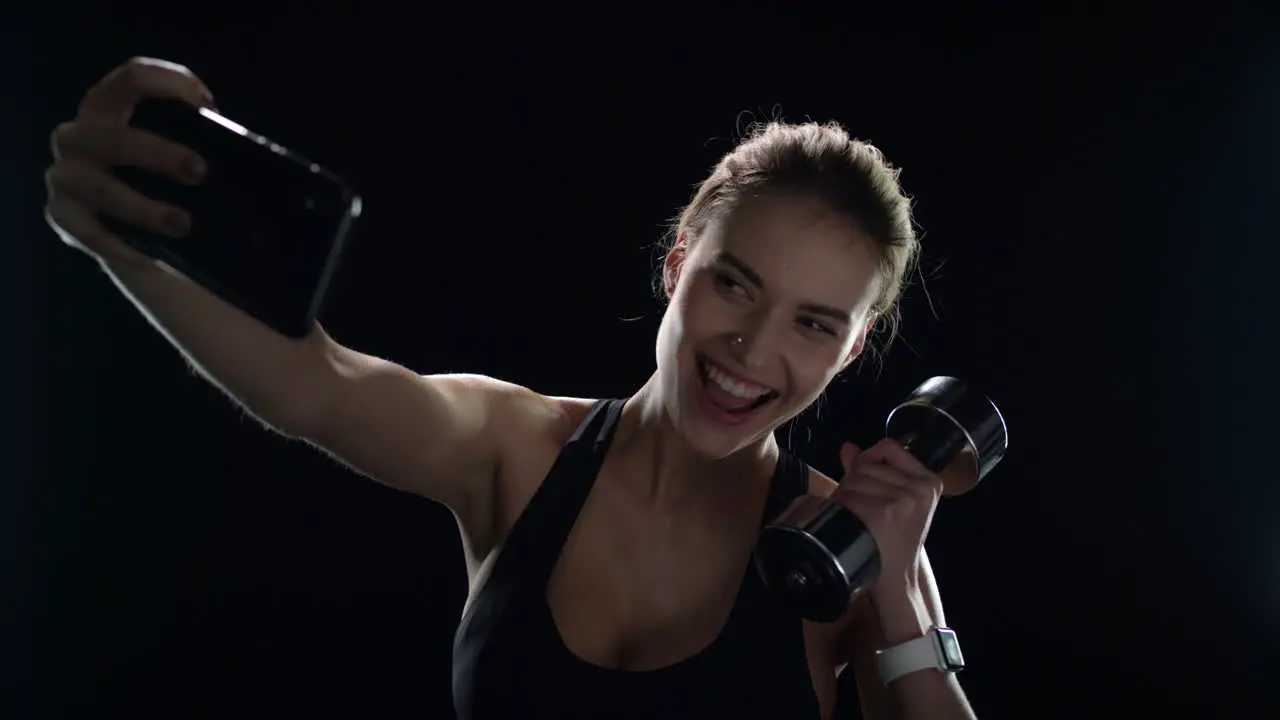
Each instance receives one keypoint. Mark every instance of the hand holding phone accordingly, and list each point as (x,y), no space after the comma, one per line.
(260,226)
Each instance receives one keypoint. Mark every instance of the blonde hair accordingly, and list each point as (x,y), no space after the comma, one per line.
(821,161)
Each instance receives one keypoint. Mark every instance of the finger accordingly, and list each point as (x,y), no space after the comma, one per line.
(114,97)
(122,146)
(881,478)
(100,192)
(892,452)
(848,453)
(871,488)
(926,486)
(920,481)
(76,225)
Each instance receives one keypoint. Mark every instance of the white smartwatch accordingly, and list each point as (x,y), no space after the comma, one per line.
(938,649)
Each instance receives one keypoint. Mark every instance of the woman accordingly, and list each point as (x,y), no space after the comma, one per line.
(608,542)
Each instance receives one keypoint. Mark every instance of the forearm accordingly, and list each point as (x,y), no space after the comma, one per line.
(273,377)
(924,694)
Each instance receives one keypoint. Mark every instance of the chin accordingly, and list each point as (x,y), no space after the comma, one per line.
(717,422)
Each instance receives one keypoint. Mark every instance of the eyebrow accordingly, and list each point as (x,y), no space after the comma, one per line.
(753,277)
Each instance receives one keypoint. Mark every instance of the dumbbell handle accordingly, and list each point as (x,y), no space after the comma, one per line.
(819,556)
(860,556)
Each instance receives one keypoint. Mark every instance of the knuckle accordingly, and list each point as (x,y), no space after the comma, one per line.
(62,137)
(900,454)
(145,64)
(53,181)
(63,221)
(130,73)
(138,67)
(927,492)
(51,214)
(138,71)
(62,177)
(143,72)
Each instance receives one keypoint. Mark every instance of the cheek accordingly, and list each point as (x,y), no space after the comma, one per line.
(670,330)
(812,370)
(700,312)
(674,334)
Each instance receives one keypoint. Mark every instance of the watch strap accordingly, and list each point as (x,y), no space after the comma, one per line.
(920,653)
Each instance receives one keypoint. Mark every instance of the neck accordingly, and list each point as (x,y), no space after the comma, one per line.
(675,470)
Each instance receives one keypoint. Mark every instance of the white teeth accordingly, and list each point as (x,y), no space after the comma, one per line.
(731,386)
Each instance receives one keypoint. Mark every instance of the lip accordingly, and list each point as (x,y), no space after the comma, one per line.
(718,414)
(745,380)
(725,418)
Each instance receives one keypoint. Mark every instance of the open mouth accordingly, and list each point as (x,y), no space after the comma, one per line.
(728,398)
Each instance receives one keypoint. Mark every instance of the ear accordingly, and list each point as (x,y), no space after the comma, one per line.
(859,343)
(672,264)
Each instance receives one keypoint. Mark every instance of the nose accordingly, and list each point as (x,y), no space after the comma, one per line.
(750,346)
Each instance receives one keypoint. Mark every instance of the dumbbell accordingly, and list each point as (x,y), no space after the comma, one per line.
(817,556)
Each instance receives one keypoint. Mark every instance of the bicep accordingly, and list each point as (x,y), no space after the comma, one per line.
(434,436)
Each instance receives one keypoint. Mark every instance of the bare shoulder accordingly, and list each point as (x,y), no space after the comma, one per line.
(572,410)
(518,418)
(541,419)
(516,414)
(537,425)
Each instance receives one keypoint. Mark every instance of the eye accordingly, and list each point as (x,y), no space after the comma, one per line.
(816,325)
(726,282)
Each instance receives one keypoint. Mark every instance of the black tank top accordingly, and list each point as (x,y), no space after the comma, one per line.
(509,660)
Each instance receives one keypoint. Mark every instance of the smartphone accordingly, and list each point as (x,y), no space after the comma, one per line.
(268,226)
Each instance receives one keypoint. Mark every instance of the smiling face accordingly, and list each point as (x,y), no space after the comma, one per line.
(770,302)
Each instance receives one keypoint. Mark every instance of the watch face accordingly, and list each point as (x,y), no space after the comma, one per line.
(950,646)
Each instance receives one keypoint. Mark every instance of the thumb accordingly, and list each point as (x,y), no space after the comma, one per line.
(848,453)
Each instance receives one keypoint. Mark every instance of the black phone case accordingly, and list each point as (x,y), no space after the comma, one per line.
(268,225)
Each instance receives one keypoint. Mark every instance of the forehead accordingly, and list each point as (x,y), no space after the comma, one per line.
(799,247)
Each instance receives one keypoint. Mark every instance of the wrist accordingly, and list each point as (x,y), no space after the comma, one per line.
(126,263)
(903,615)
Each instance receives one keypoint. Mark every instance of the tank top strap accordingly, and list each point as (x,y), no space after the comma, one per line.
(534,543)
(790,481)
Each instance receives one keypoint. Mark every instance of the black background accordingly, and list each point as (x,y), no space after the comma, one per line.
(1097,185)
